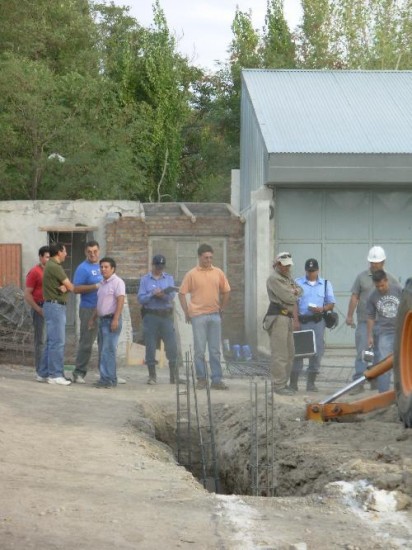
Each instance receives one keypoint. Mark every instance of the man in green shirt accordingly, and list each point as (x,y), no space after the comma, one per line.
(56,284)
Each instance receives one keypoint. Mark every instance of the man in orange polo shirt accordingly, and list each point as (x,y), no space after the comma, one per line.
(209,294)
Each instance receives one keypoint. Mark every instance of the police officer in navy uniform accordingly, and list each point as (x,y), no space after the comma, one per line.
(316,300)
(156,294)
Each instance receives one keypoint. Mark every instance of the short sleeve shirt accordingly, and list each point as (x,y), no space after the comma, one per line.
(108,293)
(204,287)
(34,280)
(384,307)
(53,277)
(87,274)
(314,294)
(362,287)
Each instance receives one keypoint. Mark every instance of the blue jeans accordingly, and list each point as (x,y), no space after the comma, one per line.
(39,326)
(314,360)
(385,346)
(55,315)
(155,327)
(107,341)
(207,330)
(361,343)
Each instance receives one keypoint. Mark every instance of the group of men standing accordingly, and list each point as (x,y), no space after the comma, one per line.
(301,304)
(102,296)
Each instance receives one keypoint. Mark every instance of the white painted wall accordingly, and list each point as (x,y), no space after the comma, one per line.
(20,222)
(259,247)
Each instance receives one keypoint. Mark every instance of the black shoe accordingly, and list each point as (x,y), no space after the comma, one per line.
(104,385)
(284,391)
(218,386)
(180,381)
(293,388)
(312,387)
(201,384)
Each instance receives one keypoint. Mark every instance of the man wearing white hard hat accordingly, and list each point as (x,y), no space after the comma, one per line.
(361,289)
(283,294)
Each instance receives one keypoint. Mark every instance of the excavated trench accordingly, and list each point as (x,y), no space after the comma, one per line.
(302,460)
(305,457)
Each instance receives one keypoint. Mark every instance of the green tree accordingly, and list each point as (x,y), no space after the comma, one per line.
(314,39)
(278,44)
(46,117)
(162,103)
(61,34)
(356,35)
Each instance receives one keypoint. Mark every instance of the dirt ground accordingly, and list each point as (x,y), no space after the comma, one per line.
(80,468)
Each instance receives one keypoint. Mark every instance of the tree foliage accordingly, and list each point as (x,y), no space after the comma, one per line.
(278,45)
(94,105)
(348,34)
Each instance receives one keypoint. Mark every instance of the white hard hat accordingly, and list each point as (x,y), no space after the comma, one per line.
(376,254)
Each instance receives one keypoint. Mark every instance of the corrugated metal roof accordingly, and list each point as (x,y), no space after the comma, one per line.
(332,111)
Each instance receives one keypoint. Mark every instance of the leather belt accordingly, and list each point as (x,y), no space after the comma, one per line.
(54,302)
(109,316)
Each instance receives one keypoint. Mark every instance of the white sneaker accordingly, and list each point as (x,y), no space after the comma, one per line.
(79,379)
(59,380)
(40,378)
(121,381)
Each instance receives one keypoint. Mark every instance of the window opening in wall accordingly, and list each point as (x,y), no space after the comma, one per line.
(181,253)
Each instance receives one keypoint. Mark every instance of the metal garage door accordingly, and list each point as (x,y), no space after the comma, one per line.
(338,228)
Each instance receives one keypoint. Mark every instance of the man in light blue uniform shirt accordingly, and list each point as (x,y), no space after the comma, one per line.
(315,300)
(86,281)
(156,294)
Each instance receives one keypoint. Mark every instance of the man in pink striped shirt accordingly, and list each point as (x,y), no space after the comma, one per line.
(110,302)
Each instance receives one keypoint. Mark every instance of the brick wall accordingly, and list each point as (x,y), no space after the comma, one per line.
(127,240)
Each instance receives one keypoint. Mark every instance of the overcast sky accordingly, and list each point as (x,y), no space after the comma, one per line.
(202,27)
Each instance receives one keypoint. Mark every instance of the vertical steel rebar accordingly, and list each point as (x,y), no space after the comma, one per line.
(257,440)
(253,439)
(189,419)
(267,441)
(215,462)
(199,427)
(272,402)
(178,427)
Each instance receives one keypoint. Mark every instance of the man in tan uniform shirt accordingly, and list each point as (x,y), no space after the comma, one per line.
(283,295)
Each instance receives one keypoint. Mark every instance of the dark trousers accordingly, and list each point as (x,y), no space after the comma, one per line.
(154,328)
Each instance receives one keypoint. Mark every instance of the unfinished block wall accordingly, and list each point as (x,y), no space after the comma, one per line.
(127,240)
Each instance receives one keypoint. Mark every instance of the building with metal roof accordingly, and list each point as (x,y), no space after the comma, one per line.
(325,172)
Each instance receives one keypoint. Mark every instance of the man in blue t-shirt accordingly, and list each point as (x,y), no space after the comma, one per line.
(86,281)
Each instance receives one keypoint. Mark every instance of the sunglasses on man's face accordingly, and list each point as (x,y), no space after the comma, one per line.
(284,256)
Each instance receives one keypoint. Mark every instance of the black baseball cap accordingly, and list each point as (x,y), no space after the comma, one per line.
(311,265)
(159,260)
